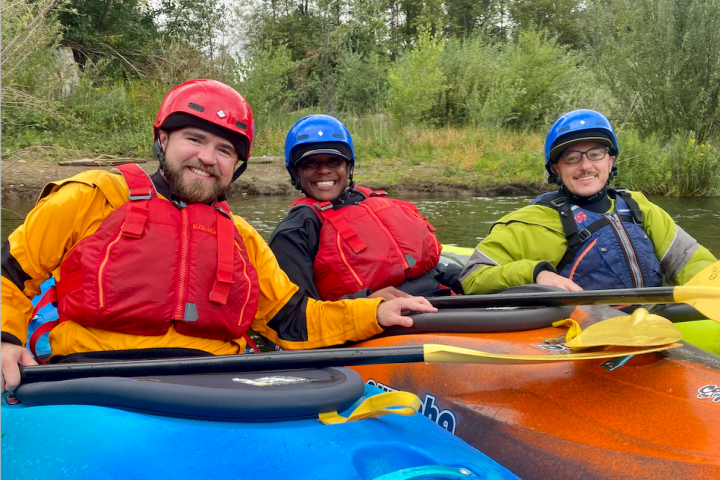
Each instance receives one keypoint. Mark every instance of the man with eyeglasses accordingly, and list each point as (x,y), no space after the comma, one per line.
(586,235)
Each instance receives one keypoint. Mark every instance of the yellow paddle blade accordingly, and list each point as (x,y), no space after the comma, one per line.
(702,292)
(447,354)
(397,403)
(641,329)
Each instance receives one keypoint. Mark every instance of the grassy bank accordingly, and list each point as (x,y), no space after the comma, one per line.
(117,120)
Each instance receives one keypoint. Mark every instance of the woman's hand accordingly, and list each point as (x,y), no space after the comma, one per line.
(389,293)
(12,356)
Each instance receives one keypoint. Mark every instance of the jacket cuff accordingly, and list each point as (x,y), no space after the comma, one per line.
(10,338)
(541,267)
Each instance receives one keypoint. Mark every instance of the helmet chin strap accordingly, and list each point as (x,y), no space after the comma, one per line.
(158,151)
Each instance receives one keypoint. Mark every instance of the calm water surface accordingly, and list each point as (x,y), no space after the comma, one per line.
(460,221)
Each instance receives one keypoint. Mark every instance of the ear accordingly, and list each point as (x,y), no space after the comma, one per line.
(553,167)
(612,162)
(163,137)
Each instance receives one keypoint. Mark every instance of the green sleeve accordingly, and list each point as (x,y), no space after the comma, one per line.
(518,247)
(681,256)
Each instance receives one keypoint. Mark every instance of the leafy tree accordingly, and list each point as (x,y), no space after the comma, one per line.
(123,31)
(661,59)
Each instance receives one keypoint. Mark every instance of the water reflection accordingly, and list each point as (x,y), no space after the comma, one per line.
(462,221)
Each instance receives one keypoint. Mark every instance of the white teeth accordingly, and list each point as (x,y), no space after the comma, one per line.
(328,183)
(586,178)
(202,173)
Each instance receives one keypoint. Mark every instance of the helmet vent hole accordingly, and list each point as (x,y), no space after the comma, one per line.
(337,135)
(241,125)
(303,137)
(564,129)
(196,107)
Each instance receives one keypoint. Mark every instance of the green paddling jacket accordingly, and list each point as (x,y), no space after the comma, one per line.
(529,240)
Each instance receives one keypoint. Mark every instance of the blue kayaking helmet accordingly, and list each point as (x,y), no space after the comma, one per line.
(316,134)
(576,127)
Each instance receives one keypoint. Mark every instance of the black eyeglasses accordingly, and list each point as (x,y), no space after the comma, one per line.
(594,155)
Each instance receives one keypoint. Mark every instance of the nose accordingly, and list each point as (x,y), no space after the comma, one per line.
(206,154)
(323,168)
(585,161)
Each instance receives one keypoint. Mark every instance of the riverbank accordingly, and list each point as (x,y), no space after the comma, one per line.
(22,180)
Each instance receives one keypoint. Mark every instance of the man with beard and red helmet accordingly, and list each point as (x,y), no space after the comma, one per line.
(157,266)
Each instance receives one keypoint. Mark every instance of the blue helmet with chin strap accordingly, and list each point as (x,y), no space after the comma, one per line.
(576,127)
(317,134)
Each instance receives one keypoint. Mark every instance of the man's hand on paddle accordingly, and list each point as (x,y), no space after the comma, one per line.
(547,277)
(12,356)
(391,312)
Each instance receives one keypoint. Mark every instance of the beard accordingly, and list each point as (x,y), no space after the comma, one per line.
(194,190)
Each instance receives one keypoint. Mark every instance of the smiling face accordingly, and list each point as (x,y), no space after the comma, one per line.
(323,176)
(198,164)
(585,178)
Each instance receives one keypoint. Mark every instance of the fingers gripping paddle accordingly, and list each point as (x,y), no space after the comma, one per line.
(345,357)
(702,293)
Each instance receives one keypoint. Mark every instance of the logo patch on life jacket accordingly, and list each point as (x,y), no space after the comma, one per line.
(203,228)
(709,391)
(580,217)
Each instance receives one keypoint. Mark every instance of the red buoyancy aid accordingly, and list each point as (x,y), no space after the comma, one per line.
(151,264)
(378,243)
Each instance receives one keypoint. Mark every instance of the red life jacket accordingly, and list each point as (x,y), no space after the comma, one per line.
(152,264)
(378,243)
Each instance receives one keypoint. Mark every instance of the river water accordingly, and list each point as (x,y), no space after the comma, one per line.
(462,221)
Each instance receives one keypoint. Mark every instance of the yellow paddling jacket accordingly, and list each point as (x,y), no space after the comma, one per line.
(73,209)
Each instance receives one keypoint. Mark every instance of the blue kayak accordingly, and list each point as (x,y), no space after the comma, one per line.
(223,426)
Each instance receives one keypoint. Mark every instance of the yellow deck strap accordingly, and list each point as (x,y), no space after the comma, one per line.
(574,330)
(398,403)
(641,329)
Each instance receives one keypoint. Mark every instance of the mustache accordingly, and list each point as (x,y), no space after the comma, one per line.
(586,172)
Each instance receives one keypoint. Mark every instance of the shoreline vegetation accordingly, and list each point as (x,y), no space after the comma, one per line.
(453,100)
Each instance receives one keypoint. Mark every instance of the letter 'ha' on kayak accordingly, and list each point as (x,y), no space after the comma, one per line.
(252,425)
(648,416)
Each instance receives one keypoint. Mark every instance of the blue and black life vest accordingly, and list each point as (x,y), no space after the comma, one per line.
(605,250)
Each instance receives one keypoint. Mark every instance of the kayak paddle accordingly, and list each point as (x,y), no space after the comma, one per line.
(702,292)
(336,357)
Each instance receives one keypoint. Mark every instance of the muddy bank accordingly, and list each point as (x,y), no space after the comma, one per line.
(23,180)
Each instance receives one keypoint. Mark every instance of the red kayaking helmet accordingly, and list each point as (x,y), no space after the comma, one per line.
(212,106)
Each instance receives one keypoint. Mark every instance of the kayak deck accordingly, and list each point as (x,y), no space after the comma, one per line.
(86,442)
(658,416)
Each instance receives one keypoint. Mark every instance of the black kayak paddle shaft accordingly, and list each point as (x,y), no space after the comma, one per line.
(336,357)
(547,299)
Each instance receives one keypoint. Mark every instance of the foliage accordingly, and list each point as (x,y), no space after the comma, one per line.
(30,34)
(121,31)
(661,58)
(265,76)
(416,81)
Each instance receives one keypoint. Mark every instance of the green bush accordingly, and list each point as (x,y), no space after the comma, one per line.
(416,81)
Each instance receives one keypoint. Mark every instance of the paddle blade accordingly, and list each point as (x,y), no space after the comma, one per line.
(641,329)
(447,354)
(702,292)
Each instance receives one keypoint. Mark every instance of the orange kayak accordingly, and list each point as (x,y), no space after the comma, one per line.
(656,416)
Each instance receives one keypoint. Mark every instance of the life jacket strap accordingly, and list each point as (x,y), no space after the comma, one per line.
(141,192)
(347,232)
(225,242)
(50,296)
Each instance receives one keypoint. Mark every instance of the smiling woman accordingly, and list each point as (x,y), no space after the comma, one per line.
(345,240)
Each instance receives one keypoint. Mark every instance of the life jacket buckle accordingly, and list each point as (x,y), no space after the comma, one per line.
(584,234)
(558,202)
(140,194)
(323,206)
